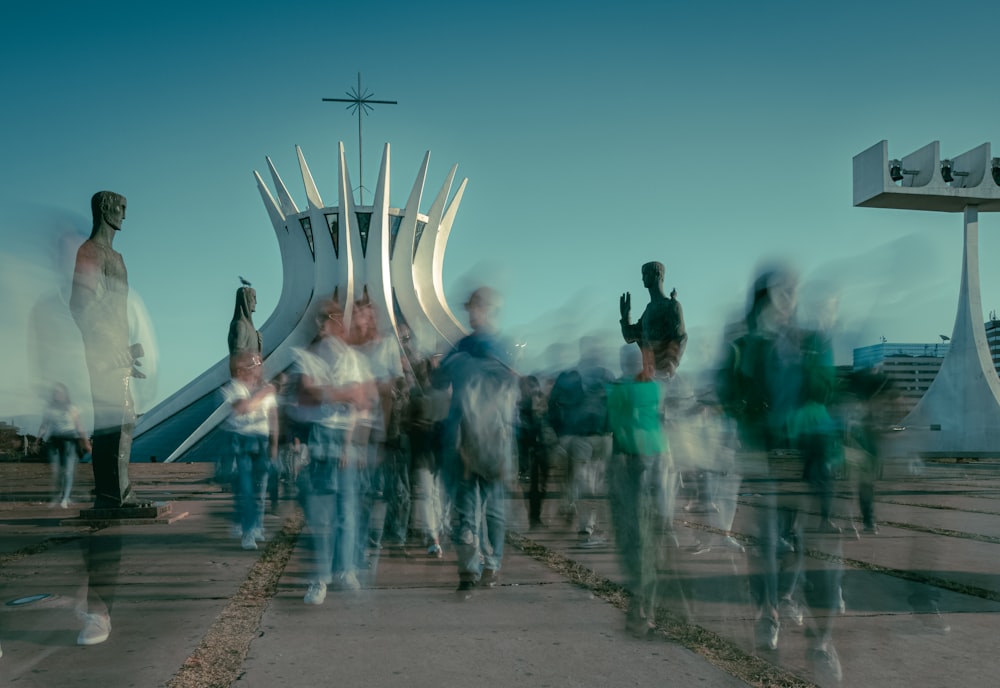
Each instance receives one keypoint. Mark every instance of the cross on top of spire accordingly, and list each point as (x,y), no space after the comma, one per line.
(360,102)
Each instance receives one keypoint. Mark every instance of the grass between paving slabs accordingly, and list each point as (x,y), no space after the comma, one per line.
(218,661)
(713,647)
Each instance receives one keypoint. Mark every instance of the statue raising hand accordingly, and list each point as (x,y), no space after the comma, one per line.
(660,331)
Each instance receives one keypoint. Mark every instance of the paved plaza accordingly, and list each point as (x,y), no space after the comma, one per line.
(193,609)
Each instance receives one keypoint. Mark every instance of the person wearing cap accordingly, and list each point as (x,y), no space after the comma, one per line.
(478,561)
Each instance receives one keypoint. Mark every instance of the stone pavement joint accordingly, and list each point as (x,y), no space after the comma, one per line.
(904,574)
(914,576)
(37,548)
(711,646)
(218,660)
(939,507)
(947,532)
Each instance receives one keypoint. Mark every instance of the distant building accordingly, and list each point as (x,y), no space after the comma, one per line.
(911,368)
(993,339)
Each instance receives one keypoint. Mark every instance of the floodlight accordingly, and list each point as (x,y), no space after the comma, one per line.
(896,170)
(897,173)
(946,171)
(995,169)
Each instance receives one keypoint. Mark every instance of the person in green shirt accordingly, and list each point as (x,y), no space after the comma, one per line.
(639,450)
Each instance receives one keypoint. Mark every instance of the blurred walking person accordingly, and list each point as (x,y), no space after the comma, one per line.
(776,384)
(334,387)
(384,467)
(62,431)
(478,453)
(578,413)
(252,427)
(426,409)
(639,447)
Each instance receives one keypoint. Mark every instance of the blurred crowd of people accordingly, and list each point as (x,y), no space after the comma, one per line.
(385,448)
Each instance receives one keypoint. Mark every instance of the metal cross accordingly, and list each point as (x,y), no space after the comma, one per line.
(360,103)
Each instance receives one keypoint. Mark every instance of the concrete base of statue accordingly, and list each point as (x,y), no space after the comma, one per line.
(139,513)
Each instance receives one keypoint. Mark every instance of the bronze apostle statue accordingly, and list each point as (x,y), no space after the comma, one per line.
(99,304)
(660,331)
(243,336)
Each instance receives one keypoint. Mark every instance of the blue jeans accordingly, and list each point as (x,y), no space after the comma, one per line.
(369,484)
(330,498)
(472,492)
(632,495)
(250,482)
(396,491)
(62,458)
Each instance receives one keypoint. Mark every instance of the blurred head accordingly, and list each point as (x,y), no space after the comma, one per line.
(60,394)
(483,306)
(590,349)
(246,366)
(631,360)
(819,305)
(364,326)
(773,300)
(530,386)
(330,319)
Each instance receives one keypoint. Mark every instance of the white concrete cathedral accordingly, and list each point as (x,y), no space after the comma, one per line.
(395,254)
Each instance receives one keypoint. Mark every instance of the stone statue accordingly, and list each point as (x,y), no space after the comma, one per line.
(99,304)
(243,336)
(660,331)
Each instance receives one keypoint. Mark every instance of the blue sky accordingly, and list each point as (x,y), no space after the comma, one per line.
(595,137)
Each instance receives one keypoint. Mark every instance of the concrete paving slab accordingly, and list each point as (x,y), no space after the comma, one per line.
(534,629)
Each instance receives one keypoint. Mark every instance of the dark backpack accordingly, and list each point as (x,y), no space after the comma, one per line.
(488,398)
(742,384)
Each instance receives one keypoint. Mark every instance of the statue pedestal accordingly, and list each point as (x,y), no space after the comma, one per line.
(129,515)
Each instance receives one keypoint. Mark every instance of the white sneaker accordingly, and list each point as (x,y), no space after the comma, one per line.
(258,534)
(732,543)
(767,632)
(96,629)
(348,581)
(249,543)
(64,503)
(316,593)
(788,609)
(826,663)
